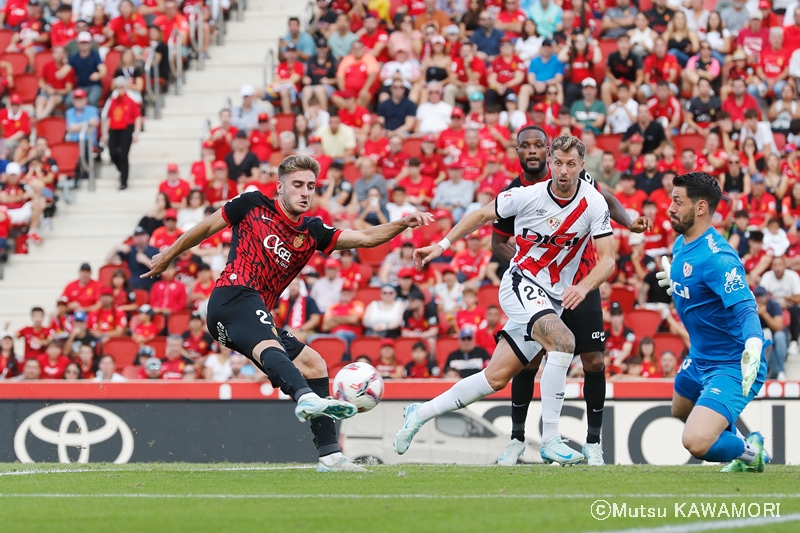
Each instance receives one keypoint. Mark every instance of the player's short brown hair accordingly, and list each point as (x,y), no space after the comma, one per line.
(567,143)
(296,163)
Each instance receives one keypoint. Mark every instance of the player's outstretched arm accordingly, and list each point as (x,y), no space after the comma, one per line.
(601,272)
(468,224)
(190,239)
(620,215)
(377,235)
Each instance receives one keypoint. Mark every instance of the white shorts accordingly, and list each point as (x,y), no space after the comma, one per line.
(523,302)
(21,215)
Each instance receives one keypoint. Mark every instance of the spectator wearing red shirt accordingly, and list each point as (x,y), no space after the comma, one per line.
(122,126)
(619,337)
(354,115)
(491,326)
(357,73)
(753,38)
(660,66)
(53,89)
(471,315)
(14,12)
(265,181)
(287,79)
(33,35)
(634,161)
(421,366)
(452,140)
(630,198)
(220,189)
(84,292)
(394,159)
(496,178)
(468,74)
(264,138)
(107,322)
(144,330)
(15,122)
(773,67)
(374,38)
(472,158)
(412,7)
(760,204)
(36,335)
(196,340)
(170,20)
(62,30)
(666,108)
(506,74)
(419,188)
(9,366)
(129,29)
(201,170)
(738,102)
(758,259)
(176,188)
(343,319)
(471,262)
(662,197)
(222,136)
(53,361)
(168,296)
(510,20)
(175,361)
(166,235)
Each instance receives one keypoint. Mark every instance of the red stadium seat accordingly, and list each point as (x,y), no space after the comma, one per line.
(112,62)
(374,256)
(780,141)
(5,38)
(106,272)
(645,5)
(625,296)
(19,62)
(668,342)
(351,173)
(123,349)
(393,7)
(694,141)
(444,347)
(131,372)
(366,273)
(178,322)
(52,128)
(607,47)
(285,122)
(40,60)
(142,296)
(369,346)
(413,146)
(27,86)
(159,344)
(487,295)
(609,142)
(644,323)
(403,349)
(332,349)
(66,155)
(366,295)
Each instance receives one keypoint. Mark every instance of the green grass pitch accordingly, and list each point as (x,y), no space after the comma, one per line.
(409,498)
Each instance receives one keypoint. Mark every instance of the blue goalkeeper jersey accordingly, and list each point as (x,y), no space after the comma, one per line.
(708,279)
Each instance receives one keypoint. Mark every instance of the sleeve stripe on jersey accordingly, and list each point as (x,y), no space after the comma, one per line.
(332,245)
(609,234)
(225,216)
(496,212)
(501,232)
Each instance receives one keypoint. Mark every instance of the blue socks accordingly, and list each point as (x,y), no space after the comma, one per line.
(727,448)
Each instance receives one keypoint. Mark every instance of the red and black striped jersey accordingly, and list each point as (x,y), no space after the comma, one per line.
(505,226)
(268,250)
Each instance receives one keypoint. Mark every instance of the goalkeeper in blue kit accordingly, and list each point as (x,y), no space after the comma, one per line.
(723,371)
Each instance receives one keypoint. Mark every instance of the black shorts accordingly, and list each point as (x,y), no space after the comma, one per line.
(238,319)
(586,323)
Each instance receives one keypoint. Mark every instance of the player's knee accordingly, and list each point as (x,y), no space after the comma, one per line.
(311,364)
(564,340)
(593,362)
(695,444)
(497,378)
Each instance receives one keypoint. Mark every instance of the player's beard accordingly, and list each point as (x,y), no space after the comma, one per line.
(534,171)
(682,225)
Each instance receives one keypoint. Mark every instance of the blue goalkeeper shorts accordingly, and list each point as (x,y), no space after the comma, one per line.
(718,387)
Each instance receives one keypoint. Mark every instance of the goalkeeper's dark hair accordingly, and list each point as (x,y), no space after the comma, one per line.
(532,127)
(700,186)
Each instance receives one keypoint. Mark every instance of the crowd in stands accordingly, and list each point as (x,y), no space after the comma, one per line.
(413,105)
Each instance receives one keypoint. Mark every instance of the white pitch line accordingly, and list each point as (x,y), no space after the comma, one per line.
(715,525)
(146,469)
(395,496)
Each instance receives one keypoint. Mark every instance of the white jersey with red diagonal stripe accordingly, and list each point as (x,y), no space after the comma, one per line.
(551,233)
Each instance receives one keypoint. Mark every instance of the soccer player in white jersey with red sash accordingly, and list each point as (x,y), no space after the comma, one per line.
(554,221)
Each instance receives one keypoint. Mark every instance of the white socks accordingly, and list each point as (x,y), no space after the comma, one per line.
(330,460)
(308,395)
(468,390)
(552,385)
(749,453)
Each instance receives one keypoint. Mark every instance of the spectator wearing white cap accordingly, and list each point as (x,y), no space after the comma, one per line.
(24,204)
(245,116)
(87,67)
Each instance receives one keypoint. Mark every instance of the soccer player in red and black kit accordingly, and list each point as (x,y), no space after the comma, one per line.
(272,242)
(585,321)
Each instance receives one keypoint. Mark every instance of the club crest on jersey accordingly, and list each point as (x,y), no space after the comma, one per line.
(553,223)
(687,269)
(298,240)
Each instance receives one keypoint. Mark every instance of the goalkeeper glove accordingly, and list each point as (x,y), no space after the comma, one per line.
(663,277)
(751,361)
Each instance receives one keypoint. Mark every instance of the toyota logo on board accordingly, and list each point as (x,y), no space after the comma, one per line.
(81,439)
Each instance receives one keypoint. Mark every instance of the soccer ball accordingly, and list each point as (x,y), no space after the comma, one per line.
(359,384)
